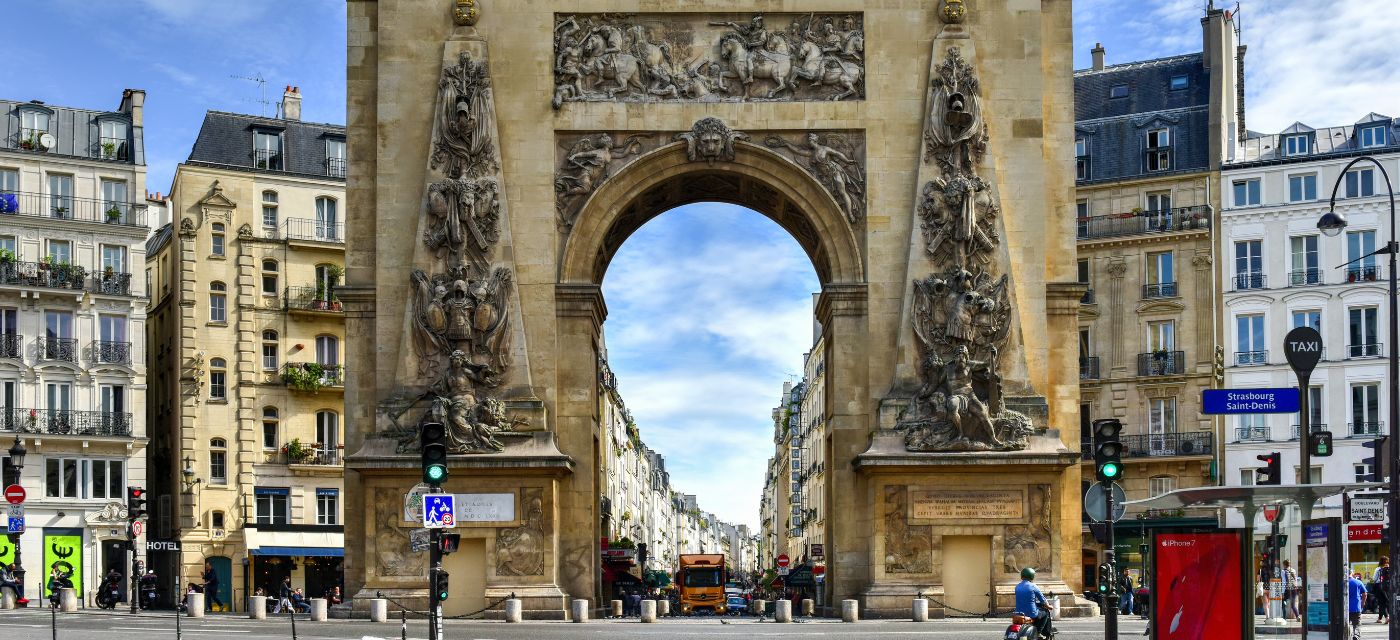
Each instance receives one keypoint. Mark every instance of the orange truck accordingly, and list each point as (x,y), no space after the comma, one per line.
(701,583)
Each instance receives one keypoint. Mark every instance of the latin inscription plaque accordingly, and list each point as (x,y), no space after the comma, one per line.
(1007,504)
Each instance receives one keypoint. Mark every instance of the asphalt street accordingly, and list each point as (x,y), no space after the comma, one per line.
(36,625)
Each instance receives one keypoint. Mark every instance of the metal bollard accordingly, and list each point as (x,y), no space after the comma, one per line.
(194,602)
(580,610)
(782,612)
(850,611)
(257,607)
(920,610)
(379,610)
(318,610)
(648,611)
(809,607)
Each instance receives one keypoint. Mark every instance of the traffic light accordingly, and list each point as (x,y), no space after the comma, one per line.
(642,555)
(1320,443)
(1108,451)
(449,542)
(135,503)
(1269,473)
(432,437)
(440,584)
(1379,460)
(1106,579)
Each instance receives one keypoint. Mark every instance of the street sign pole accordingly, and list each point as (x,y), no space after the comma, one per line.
(1110,619)
(1302,347)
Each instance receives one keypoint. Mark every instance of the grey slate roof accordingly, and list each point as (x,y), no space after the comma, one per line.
(226,140)
(76,131)
(1262,148)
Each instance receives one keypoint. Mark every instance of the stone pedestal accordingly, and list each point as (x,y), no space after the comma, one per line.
(514,610)
(920,610)
(616,608)
(809,607)
(194,604)
(7,598)
(663,607)
(257,607)
(318,610)
(579,612)
(379,610)
(850,611)
(782,612)
(648,611)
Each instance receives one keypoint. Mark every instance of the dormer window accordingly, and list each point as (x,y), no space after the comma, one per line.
(335,157)
(1296,145)
(1179,82)
(112,140)
(32,124)
(1371,137)
(267,150)
(1118,91)
(1159,150)
(1081,159)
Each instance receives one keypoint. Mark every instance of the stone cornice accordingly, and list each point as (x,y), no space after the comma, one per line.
(842,300)
(1144,239)
(580,300)
(1063,298)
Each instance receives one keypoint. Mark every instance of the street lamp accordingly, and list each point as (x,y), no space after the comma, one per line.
(1331,224)
(188,475)
(17,453)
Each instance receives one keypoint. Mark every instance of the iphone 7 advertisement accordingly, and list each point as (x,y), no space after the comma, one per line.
(1196,585)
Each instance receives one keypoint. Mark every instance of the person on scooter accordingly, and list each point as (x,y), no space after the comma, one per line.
(111,588)
(1031,602)
(149,589)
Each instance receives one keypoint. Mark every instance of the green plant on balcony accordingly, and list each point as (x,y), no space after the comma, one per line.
(297,452)
(109,150)
(622,543)
(310,376)
(7,256)
(114,214)
(29,144)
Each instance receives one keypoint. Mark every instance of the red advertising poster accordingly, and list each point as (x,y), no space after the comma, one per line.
(1197,586)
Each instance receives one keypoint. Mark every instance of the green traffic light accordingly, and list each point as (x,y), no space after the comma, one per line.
(436,472)
(1110,470)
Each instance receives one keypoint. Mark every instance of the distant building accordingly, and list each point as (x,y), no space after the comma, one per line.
(73,358)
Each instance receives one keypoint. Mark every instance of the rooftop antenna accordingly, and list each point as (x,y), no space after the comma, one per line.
(262,90)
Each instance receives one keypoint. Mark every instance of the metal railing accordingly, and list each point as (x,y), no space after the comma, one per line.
(1139,222)
(1313,427)
(42,274)
(1304,277)
(268,159)
(314,230)
(1251,434)
(311,376)
(1159,290)
(28,138)
(111,284)
(112,149)
(1089,368)
(1365,273)
(1161,363)
(317,298)
(1250,358)
(1364,350)
(1252,280)
(1088,297)
(1168,444)
(309,456)
(108,352)
(335,167)
(11,346)
(66,422)
(1365,428)
(42,205)
(65,349)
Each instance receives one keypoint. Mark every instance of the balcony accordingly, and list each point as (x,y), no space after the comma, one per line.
(312,376)
(307,455)
(1314,427)
(1304,277)
(1247,281)
(313,230)
(335,167)
(107,352)
(113,149)
(41,205)
(42,274)
(1365,273)
(1372,429)
(1251,358)
(1089,368)
(1364,350)
(111,283)
(1159,290)
(1162,445)
(1252,434)
(1144,222)
(314,299)
(81,423)
(1088,297)
(269,159)
(12,346)
(62,349)
(1162,363)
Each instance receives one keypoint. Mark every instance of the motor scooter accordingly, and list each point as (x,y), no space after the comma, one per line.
(149,591)
(1022,627)
(109,594)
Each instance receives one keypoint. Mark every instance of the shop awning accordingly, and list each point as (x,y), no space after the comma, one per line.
(302,552)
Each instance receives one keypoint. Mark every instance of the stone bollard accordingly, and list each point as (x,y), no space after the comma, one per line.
(617,608)
(7,598)
(379,610)
(67,600)
(782,612)
(257,607)
(920,610)
(580,610)
(318,610)
(760,607)
(194,604)
(648,611)
(515,610)
(850,611)
(809,607)
(663,607)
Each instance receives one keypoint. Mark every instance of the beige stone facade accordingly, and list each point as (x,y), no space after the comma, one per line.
(861,231)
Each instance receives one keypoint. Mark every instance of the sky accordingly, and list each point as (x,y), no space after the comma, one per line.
(710,305)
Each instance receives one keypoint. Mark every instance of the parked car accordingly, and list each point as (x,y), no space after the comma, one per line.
(737,605)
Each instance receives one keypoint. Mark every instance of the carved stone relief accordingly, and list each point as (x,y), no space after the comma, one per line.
(661,57)
(520,550)
(1029,545)
(391,544)
(710,140)
(908,548)
(834,160)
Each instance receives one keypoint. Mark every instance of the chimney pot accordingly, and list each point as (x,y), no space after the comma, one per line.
(291,104)
(1098,53)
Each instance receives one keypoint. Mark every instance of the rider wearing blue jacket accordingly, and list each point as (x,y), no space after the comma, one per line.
(1029,601)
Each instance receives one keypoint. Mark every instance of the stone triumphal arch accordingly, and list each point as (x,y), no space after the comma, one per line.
(917,152)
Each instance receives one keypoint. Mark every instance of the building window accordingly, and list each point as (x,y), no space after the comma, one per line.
(1361,260)
(1159,150)
(1118,91)
(267,150)
(273,505)
(1365,410)
(32,122)
(216,240)
(1251,426)
(218,461)
(1161,275)
(1159,485)
(1296,145)
(1373,136)
(114,202)
(327,220)
(1081,159)
(1247,477)
(269,210)
(1303,261)
(218,376)
(269,350)
(328,433)
(269,432)
(1362,340)
(113,260)
(269,277)
(1249,264)
(218,299)
(1363,472)
(216,519)
(62,478)
(335,157)
(1302,188)
(1308,318)
(113,140)
(327,506)
(1361,183)
(9,181)
(1246,192)
(61,196)
(60,252)
(1159,206)
(1161,335)
(1249,340)
(1179,82)
(1083,268)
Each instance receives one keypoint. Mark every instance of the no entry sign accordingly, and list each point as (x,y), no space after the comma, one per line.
(783,560)
(14,494)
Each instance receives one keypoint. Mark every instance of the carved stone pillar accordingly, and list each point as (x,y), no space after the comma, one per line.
(1205,309)
(580,311)
(1117,355)
(842,311)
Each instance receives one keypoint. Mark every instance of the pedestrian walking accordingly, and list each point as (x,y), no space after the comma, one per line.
(634,601)
(1382,590)
(284,595)
(1290,591)
(1125,588)
(1356,594)
(211,589)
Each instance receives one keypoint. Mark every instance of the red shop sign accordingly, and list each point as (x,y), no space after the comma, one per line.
(1364,532)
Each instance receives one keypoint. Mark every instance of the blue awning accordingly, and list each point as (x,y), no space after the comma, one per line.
(304,552)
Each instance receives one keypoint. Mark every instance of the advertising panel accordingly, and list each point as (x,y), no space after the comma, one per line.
(1326,598)
(1197,582)
(63,548)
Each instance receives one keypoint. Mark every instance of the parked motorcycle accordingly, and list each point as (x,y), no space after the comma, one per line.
(110,593)
(56,585)
(149,590)
(1022,627)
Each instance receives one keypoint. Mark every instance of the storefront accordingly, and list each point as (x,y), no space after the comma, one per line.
(313,557)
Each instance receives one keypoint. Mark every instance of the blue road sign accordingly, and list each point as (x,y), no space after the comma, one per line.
(439,511)
(1235,401)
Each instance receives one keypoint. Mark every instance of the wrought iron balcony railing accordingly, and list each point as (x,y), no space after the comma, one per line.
(1251,434)
(1159,290)
(1304,277)
(312,376)
(335,167)
(111,284)
(1365,428)
(1251,358)
(45,205)
(42,274)
(62,422)
(1140,222)
(1365,273)
(313,230)
(1364,350)
(12,346)
(1159,445)
(268,159)
(317,298)
(112,149)
(310,456)
(1161,363)
(1089,368)
(1246,281)
(65,349)
(1314,427)
(111,352)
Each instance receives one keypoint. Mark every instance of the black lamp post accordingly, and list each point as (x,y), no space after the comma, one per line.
(17,453)
(1331,224)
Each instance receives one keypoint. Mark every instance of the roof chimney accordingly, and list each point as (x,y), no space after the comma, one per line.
(1097,52)
(291,103)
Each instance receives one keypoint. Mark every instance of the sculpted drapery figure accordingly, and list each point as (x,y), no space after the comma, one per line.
(837,170)
(466,120)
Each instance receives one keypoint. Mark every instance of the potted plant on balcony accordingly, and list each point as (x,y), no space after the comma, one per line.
(45,263)
(29,144)
(109,150)
(60,212)
(296,452)
(7,257)
(114,214)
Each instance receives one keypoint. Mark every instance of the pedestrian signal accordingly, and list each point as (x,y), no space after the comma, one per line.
(1269,473)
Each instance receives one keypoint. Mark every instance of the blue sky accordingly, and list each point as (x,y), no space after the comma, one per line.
(710,305)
